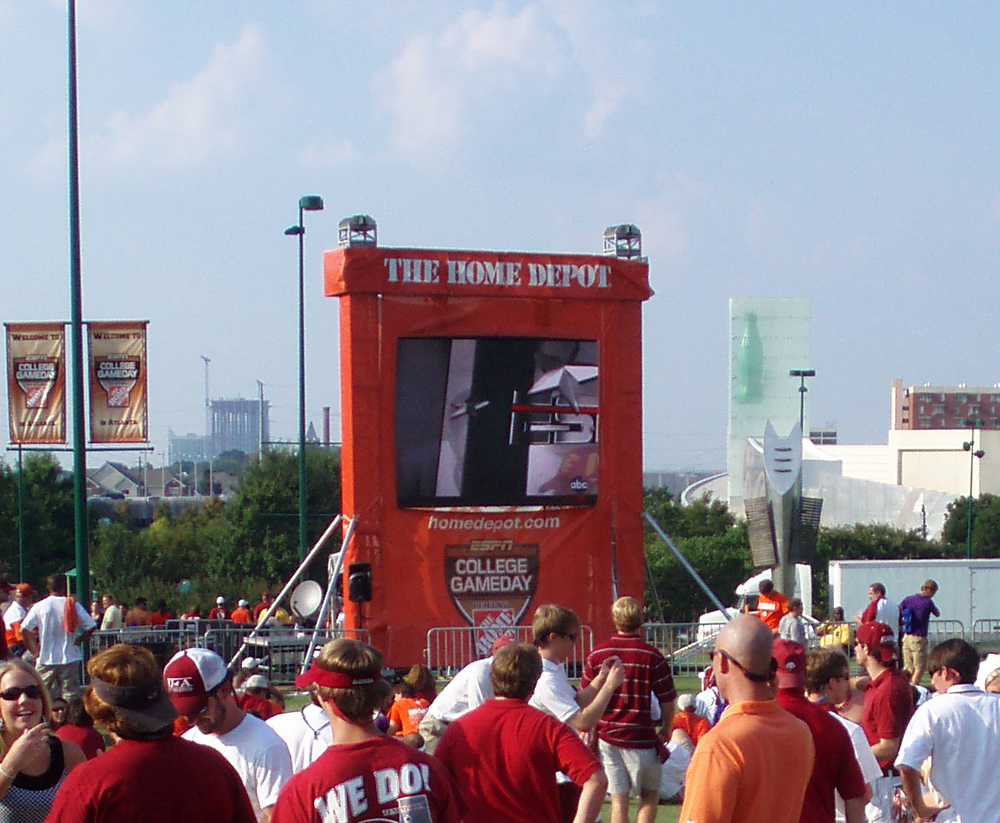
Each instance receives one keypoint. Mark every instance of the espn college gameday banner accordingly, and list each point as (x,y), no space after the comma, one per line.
(36,382)
(492,437)
(118,402)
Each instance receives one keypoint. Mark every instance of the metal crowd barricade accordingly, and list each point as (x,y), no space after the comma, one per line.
(451,648)
(939,630)
(688,646)
(281,649)
(163,641)
(986,635)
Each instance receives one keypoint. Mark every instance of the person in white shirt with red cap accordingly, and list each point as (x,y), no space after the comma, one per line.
(198,685)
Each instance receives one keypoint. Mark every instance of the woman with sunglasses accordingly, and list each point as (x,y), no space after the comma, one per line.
(34,761)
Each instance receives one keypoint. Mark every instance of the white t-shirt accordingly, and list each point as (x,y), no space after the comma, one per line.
(56,647)
(259,756)
(306,733)
(959,731)
(870,769)
(14,614)
(554,694)
(469,689)
(112,618)
(888,612)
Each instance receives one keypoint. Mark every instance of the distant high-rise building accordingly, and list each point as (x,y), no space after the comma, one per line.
(944,407)
(239,424)
(188,446)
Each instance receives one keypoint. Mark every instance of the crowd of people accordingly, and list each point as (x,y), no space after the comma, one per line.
(778,733)
(111,614)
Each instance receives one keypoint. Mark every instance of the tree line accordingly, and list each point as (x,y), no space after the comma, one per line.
(250,543)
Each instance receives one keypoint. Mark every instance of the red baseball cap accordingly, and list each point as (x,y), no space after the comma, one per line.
(190,677)
(791,660)
(880,640)
(500,642)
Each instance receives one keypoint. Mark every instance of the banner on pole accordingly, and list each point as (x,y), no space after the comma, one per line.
(36,383)
(118,397)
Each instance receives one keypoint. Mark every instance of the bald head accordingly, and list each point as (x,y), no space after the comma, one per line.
(749,640)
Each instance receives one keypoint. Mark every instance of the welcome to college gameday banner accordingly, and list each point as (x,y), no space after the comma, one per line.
(118,396)
(36,382)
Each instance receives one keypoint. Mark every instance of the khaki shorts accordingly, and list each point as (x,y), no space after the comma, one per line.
(914,653)
(61,680)
(635,769)
(431,729)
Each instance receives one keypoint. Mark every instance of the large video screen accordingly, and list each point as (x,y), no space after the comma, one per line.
(496,421)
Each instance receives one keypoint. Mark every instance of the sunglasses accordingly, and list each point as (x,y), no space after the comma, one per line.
(15,692)
(751,676)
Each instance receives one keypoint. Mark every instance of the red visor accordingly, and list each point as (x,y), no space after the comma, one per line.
(332,680)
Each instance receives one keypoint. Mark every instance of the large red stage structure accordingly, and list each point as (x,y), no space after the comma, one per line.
(492,437)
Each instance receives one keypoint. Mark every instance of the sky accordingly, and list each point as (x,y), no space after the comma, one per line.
(842,152)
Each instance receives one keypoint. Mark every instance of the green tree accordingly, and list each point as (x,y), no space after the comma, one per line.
(707,534)
(261,535)
(49,530)
(985,526)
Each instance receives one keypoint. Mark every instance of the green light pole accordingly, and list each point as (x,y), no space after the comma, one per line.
(308,202)
(76,327)
(970,447)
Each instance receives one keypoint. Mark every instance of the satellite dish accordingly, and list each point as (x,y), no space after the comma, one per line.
(306,600)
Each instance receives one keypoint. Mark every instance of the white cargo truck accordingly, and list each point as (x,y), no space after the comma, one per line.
(968,590)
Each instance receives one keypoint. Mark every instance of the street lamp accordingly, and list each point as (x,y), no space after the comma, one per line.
(970,447)
(802,374)
(308,202)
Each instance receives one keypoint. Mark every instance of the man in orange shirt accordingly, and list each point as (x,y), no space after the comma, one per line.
(755,763)
(241,614)
(688,721)
(772,605)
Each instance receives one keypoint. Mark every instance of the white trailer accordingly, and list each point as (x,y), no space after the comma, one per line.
(968,590)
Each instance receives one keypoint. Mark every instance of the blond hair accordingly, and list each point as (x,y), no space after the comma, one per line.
(627,614)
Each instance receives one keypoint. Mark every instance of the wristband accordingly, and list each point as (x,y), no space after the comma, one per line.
(3,771)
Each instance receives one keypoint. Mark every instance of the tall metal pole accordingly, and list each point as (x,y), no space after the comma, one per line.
(20,514)
(308,202)
(303,492)
(970,447)
(972,463)
(76,329)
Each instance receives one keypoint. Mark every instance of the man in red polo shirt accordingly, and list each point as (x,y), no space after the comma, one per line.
(628,743)
(888,707)
(835,768)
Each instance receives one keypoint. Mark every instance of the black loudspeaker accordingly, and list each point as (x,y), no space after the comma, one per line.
(359,582)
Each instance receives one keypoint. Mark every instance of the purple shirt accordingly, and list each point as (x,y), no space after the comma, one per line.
(916,611)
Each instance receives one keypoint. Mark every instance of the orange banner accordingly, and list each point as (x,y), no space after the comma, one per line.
(118,399)
(492,442)
(36,382)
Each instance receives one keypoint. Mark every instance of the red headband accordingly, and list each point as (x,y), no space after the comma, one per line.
(331,680)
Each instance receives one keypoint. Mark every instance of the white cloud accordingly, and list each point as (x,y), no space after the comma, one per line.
(606,40)
(479,59)
(200,118)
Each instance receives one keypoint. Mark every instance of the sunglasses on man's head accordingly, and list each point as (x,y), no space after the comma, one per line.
(15,692)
